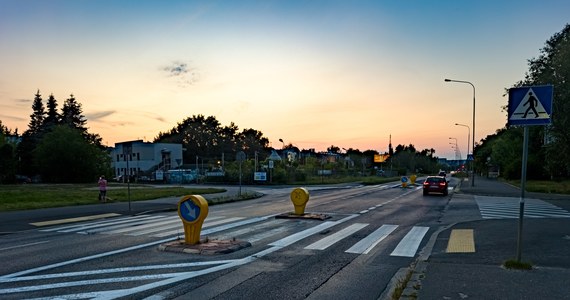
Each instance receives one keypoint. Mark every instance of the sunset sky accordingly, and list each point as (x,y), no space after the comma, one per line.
(313,73)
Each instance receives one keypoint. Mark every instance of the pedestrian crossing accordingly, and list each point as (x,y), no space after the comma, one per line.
(508,208)
(283,232)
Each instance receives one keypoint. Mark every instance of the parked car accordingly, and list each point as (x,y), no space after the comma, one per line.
(23,179)
(435,184)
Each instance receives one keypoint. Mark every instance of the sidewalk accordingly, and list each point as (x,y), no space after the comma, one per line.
(480,275)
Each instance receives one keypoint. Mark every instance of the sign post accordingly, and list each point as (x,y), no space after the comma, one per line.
(127,154)
(528,106)
(240,157)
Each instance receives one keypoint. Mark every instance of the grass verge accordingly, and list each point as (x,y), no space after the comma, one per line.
(401,285)
(545,186)
(517,265)
(35,196)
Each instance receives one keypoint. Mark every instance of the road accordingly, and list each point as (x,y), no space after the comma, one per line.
(370,234)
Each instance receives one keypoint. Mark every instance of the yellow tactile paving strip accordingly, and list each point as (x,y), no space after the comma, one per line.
(73,220)
(461,241)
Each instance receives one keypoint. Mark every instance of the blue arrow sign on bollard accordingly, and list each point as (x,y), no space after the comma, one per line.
(189,211)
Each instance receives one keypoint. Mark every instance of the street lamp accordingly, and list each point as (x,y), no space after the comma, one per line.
(468,135)
(473,137)
(457,155)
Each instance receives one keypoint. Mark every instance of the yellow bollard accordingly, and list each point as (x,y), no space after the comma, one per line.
(193,210)
(413,179)
(300,197)
(404,181)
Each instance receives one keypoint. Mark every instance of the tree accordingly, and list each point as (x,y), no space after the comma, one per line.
(7,155)
(253,141)
(41,125)
(72,114)
(52,117)
(206,138)
(38,115)
(553,67)
(407,158)
(31,137)
(63,155)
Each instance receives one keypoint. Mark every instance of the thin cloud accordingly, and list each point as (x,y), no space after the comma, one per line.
(23,100)
(183,74)
(99,115)
(154,116)
(18,119)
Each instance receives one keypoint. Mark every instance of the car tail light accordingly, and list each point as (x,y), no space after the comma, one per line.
(442,183)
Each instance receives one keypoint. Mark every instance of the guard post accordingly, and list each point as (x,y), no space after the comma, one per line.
(300,197)
(404,181)
(192,210)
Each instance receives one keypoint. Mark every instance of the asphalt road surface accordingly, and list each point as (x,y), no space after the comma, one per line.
(369,234)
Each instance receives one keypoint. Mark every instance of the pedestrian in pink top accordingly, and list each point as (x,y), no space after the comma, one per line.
(102,189)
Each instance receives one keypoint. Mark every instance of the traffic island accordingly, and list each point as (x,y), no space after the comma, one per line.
(205,246)
(313,216)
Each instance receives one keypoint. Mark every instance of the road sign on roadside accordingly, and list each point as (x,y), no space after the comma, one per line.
(531,105)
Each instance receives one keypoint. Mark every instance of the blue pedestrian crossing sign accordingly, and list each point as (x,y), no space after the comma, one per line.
(531,105)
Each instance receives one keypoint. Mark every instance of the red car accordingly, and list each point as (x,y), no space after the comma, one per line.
(435,184)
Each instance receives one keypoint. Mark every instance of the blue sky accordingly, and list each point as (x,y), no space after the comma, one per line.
(313,73)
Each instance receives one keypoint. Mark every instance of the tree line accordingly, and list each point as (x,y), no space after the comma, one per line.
(56,147)
(549,146)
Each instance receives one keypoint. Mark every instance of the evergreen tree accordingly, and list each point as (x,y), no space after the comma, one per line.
(53,117)
(72,115)
(38,114)
(31,137)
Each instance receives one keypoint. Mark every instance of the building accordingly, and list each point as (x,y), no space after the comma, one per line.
(145,161)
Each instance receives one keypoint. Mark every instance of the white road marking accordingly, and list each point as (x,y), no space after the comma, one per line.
(508,208)
(332,239)
(410,243)
(92,223)
(153,225)
(365,245)
(178,228)
(24,245)
(116,270)
(302,234)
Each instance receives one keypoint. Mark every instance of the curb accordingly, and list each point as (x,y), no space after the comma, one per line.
(418,267)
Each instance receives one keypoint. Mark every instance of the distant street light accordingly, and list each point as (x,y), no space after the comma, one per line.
(473,137)
(468,135)
(457,156)
(468,138)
